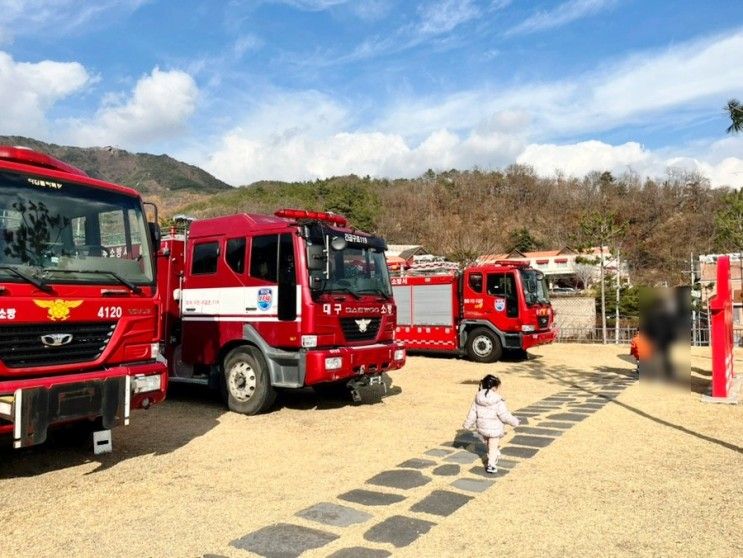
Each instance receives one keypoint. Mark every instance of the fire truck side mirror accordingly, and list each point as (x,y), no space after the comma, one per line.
(155,234)
(316,257)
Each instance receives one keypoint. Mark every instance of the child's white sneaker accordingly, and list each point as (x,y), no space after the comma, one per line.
(491,469)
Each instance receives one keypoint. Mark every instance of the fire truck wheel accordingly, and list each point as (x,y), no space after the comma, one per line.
(483,345)
(247,383)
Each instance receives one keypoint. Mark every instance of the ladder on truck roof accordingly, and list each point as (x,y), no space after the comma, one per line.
(428,267)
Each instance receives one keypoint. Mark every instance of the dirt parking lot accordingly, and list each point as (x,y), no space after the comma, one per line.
(605,466)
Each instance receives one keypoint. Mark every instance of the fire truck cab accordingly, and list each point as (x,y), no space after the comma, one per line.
(259,302)
(477,312)
(79,337)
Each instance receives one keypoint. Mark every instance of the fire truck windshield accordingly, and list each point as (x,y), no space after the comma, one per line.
(62,232)
(535,287)
(358,270)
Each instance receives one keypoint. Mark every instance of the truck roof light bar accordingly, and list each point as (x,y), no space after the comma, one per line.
(26,156)
(328,216)
(512,263)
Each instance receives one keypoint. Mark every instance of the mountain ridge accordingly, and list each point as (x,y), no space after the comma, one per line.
(159,178)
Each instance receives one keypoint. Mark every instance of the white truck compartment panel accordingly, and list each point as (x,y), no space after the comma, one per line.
(432,305)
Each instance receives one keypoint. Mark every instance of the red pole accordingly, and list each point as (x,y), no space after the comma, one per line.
(721,318)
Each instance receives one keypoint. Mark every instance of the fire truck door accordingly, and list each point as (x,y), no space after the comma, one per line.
(501,303)
(287,277)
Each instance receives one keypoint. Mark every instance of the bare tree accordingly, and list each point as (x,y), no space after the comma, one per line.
(585,274)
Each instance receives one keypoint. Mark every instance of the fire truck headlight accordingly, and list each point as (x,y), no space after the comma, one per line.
(142,384)
(527,328)
(309,341)
(333,363)
(399,354)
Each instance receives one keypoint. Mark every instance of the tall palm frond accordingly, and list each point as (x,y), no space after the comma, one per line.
(735,111)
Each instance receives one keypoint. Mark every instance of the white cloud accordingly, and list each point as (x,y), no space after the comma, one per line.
(727,172)
(444,15)
(246,43)
(562,14)
(29,90)
(306,136)
(435,20)
(311,5)
(646,88)
(301,136)
(157,108)
(57,17)
(371,10)
(243,159)
(581,158)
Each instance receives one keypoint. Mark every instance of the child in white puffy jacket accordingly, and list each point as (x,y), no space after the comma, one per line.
(489,415)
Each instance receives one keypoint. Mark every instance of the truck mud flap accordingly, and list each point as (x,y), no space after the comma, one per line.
(512,341)
(32,410)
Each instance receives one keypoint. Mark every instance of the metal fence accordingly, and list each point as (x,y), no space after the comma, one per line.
(700,337)
(578,321)
(595,335)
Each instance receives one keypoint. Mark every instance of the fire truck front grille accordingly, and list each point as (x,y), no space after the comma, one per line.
(51,344)
(360,329)
(543,321)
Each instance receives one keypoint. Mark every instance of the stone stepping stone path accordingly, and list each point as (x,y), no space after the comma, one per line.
(390,521)
(480,471)
(473,485)
(462,457)
(417,463)
(360,552)
(561,425)
(371,498)
(398,530)
(518,451)
(441,502)
(283,539)
(573,417)
(333,514)
(531,441)
(538,431)
(447,470)
(438,452)
(399,479)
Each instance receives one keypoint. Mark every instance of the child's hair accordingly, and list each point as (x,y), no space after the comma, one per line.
(489,382)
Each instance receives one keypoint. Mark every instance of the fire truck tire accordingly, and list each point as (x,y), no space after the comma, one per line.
(483,345)
(247,384)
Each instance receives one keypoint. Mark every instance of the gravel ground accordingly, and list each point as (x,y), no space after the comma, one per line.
(652,472)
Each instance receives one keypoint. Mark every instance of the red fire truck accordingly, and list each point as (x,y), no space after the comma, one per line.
(477,312)
(259,302)
(79,335)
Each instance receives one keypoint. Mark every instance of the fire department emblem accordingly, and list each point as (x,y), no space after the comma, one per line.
(363,325)
(265,299)
(58,310)
(56,339)
(500,304)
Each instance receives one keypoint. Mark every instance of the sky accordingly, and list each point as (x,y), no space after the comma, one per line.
(302,89)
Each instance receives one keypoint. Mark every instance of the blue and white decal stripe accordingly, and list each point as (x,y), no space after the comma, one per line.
(233,303)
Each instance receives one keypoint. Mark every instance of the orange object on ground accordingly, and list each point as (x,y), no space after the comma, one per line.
(640,347)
